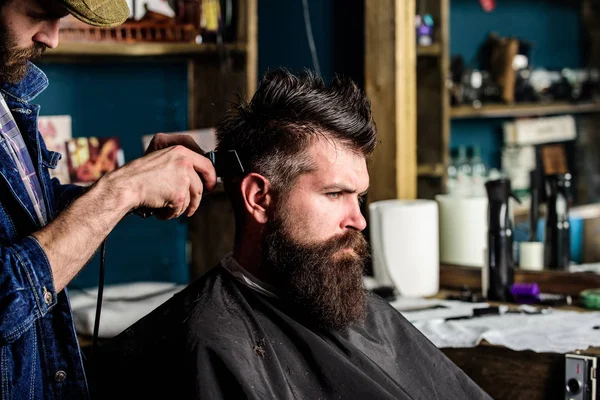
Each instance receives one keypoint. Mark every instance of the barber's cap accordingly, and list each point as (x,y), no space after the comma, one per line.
(102,13)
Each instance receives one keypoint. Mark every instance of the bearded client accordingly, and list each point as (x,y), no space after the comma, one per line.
(285,315)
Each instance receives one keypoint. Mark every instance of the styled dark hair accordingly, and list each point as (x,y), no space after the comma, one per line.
(286,114)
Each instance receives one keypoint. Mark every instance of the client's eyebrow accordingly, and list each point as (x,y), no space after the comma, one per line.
(343,188)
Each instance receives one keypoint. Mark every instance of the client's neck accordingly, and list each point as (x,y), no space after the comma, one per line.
(247,253)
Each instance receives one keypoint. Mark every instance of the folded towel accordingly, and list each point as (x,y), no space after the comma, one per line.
(123,305)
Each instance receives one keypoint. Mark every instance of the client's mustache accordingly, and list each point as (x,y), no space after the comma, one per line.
(351,239)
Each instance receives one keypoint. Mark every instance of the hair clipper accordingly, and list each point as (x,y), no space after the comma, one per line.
(227,164)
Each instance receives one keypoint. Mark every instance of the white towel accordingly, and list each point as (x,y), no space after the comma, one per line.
(123,305)
(554,332)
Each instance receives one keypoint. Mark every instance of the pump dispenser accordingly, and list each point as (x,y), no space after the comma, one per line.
(557,243)
(500,263)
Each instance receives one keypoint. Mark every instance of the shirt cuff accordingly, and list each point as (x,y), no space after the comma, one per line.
(33,258)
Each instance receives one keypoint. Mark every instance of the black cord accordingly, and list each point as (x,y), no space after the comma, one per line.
(311,39)
(99,301)
(94,361)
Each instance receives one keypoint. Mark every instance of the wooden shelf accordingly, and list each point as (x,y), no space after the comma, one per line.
(431,170)
(434,50)
(112,49)
(571,283)
(522,110)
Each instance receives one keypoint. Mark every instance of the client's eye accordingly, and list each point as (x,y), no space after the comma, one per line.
(361,199)
(334,195)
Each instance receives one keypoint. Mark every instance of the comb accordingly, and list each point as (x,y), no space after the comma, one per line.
(525,293)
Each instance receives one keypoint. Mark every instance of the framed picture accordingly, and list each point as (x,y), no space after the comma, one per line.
(90,157)
(56,131)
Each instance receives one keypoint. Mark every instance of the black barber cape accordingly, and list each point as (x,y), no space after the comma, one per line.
(220,339)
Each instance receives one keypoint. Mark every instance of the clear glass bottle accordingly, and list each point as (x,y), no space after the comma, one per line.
(478,173)
(452,174)
(463,172)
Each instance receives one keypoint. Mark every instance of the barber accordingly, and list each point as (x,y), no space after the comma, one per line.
(49,231)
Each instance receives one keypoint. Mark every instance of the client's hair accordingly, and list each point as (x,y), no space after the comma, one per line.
(289,112)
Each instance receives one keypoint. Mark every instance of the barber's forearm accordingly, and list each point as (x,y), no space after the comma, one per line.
(72,238)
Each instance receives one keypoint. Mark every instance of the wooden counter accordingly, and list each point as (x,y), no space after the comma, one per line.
(508,374)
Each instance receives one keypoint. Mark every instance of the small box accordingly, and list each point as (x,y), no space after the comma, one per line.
(540,130)
(581,377)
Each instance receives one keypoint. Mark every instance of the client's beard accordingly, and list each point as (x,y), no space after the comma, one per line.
(324,283)
(14,62)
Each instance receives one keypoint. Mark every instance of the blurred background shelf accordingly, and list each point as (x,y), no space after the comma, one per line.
(434,50)
(431,170)
(522,110)
(116,49)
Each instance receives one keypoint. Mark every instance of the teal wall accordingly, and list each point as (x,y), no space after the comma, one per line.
(282,34)
(552,26)
(338,31)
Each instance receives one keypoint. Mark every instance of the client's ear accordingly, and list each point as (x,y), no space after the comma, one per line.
(256,196)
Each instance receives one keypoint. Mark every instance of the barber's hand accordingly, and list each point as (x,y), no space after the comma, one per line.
(162,141)
(168,180)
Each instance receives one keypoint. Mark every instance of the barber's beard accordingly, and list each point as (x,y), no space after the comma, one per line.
(14,62)
(325,281)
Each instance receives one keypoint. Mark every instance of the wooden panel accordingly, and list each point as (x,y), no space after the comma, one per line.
(590,20)
(215,82)
(588,134)
(444,75)
(455,277)
(211,229)
(244,11)
(508,374)
(434,50)
(436,169)
(251,47)
(570,283)
(433,125)
(428,187)
(390,56)
(432,8)
(429,111)
(211,233)
(216,79)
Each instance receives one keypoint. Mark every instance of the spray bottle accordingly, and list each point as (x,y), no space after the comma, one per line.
(557,243)
(499,271)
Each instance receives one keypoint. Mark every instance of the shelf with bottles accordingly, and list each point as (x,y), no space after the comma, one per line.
(467,173)
(428,29)
(114,49)
(431,170)
(163,29)
(515,87)
(432,50)
(522,110)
